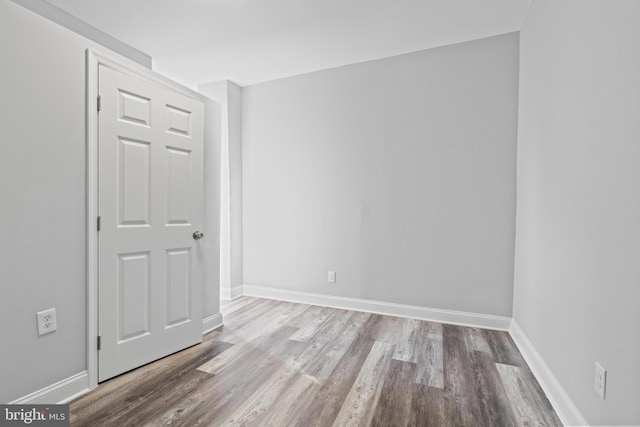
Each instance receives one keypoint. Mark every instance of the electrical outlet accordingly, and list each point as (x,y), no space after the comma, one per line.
(47,321)
(601,380)
(331,277)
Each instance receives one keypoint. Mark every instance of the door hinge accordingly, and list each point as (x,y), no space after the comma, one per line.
(99,223)
(99,342)
(99,103)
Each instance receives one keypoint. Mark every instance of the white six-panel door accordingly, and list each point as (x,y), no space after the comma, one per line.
(150,178)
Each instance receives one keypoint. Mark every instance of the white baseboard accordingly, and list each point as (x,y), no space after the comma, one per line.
(227,294)
(560,400)
(60,392)
(212,322)
(400,310)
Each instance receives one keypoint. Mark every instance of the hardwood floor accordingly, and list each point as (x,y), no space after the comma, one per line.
(277,363)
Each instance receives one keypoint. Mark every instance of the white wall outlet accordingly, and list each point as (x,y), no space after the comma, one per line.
(47,321)
(601,380)
(331,277)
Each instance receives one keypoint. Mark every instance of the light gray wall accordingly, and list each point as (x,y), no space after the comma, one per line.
(55,14)
(399,174)
(42,188)
(229,95)
(234,98)
(217,91)
(211,242)
(42,193)
(577,276)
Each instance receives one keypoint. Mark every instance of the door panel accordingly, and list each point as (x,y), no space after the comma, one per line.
(133,296)
(134,192)
(177,179)
(150,178)
(178,286)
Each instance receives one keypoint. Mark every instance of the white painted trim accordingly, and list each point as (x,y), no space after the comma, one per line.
(560,400)
(211,323)
(130,67)
(60,392)
(227,294)
(91,169)
(485,321)
(94,60)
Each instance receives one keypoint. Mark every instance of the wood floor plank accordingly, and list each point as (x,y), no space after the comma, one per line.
(308,315)
(430,407)
(249,313)
(529,406)
(146,406)
(234,384)
(359,405)
(334,347)
(475,340)
(274,396)
(394,405)
(495,407)
(416,341)
(123,393)
(519,396)
(428,355)
(237,304)
(251,335)
(503,348)
(300,389)
(246,349)
(313,324)
(324,406)
(386,328)
(275,315)
(406,340)
(459,379)
(541,401)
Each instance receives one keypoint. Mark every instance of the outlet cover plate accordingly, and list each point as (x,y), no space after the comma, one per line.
(600,384)
(331,277)
(47,321)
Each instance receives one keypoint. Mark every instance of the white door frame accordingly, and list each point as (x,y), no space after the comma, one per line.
(94,60)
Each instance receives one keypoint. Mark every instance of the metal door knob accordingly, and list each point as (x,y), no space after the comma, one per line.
(197,235)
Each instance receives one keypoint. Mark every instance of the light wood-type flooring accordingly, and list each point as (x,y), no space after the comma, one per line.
(277,363)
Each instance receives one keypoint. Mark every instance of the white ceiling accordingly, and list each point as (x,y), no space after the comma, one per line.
(250,41)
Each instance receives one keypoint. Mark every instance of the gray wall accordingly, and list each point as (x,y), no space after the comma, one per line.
(229,96)
(399,174)
(55,14)
(211,242)
(234,98)
(42,189)
(577,276)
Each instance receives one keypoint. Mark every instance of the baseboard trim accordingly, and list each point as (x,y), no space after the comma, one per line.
(560,400)
(227,294)
(391,309)
(60,392)
(211,323)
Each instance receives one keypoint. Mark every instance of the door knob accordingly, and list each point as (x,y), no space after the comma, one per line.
(197,235)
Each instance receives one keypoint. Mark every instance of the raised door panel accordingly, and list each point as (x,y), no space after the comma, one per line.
(178,287)
(178,186)
(178,120)
(134,183)
(133,296)
(134,108)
